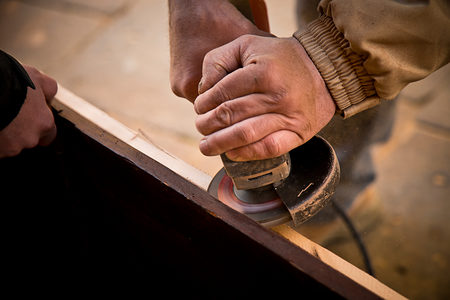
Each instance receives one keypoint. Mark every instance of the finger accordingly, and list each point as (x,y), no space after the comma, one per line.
(46,126)
(241,134)
(218,63)
(273,145)
(48,135)
(234,111)
(241,82)
(49,87)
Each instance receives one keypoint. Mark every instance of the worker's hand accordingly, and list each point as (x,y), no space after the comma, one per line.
(196,27)
(34,125)
(260,97)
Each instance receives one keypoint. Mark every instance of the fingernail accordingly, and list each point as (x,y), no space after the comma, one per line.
(203,145)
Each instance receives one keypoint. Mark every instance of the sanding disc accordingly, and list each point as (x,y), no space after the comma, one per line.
(262,205)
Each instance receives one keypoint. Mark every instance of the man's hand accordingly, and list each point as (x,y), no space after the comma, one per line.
(34,125)
(260,97)
(196,27)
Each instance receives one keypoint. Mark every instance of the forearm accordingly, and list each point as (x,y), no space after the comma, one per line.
(370,50)
(197,27)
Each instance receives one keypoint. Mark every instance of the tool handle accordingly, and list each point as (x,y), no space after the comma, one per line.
(255,11)
(257,173)
(260,16)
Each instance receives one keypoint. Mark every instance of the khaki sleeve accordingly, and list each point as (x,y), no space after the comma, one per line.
(368,50)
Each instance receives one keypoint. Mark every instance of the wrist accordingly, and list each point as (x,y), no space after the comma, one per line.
(325,106)
(342,70)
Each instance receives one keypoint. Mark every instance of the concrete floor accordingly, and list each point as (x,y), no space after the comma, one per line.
(115,54)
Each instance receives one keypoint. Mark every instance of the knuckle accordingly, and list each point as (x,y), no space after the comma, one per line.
(209,57)
(49,126)
(47,123)
(32,142)
(277,98)
(215,60)
(304,131)
(51,87)
(306,128)
(184,86)
(244,134)
(33,72)
(271,147)
(275,101)
(222,93)
(220,66)
(200,124)
(175,84)
(246,38)
(224,115)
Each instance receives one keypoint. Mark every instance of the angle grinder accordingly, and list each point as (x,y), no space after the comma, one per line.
(291,187)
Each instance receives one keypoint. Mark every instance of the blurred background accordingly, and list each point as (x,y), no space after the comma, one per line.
(115,54)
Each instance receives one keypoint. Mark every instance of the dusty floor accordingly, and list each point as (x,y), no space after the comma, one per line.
(115,54)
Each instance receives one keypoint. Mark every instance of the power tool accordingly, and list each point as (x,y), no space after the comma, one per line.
(293,186)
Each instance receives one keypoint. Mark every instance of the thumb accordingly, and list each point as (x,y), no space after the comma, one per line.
(219,62)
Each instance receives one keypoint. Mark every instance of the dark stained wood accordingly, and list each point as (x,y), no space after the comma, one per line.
(80,208)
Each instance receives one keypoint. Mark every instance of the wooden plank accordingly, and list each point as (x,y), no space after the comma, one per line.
(158,204)
(97,124)
(337,263)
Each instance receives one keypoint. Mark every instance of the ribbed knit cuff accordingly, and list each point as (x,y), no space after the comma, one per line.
(342,69)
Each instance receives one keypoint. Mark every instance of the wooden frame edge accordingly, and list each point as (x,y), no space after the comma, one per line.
(83,114)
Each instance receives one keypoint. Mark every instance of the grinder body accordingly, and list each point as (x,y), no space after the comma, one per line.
(292,187)
(247,175)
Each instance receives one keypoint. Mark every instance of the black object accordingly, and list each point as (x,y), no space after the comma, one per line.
(313,179)
(14,81)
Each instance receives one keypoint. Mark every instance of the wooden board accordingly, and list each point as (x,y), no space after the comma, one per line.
(121,205)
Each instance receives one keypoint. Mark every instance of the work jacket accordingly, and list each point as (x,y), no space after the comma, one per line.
(369,50)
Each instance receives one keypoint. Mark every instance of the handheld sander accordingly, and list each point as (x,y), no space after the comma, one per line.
(293,186)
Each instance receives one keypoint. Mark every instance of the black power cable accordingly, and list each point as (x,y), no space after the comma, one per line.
(355,235)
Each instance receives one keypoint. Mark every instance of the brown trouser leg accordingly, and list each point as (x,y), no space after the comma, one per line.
(351,138)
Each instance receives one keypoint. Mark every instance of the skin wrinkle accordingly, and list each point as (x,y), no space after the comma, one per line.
(244,134)
(222,94)
(255,148)
(271,146)
(261,104)
(218,99)
(247,134)
(224,115)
